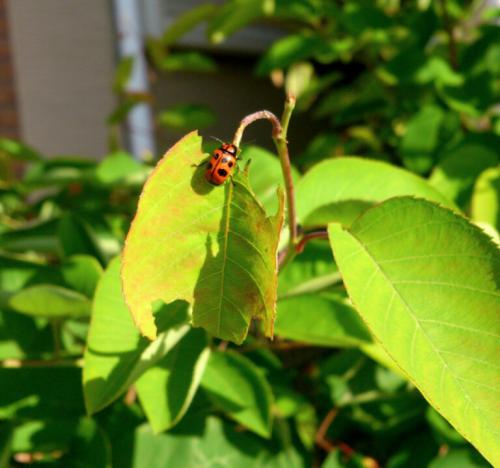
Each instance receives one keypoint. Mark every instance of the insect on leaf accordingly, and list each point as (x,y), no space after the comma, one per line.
(213,247)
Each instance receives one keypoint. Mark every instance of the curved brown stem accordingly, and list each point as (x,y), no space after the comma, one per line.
(279,135)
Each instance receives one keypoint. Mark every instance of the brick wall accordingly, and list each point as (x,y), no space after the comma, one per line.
(8,109)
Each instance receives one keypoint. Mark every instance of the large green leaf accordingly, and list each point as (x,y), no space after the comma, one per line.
(211,246)
(350,180)
(116,354)
(218,445)
(48,300)
(241,391)
(426,282)
(167,389)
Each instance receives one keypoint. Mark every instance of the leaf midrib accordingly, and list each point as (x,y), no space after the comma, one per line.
(422,330)
(224,260)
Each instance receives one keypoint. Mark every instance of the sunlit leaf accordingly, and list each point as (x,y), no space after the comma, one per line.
(361,180)
(116,354)
(265,175)
(167,389)
(219,444)
(51,301)
(120,167)
(235,15)
(240,390)
(423,279)
(486,198)
(211,246)
(17,150)
(322,318)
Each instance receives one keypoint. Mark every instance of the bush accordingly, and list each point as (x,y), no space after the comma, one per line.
(376,349)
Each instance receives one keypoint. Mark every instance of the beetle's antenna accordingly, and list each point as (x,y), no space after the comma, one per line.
(216,139)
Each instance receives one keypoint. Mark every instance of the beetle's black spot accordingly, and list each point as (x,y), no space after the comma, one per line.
(222,172)
(230,164)
(216,155)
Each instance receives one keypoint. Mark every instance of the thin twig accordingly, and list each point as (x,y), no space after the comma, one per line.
(246,121)
(320,438)
(274,345)
(452,44)
(281,144)
(308,237)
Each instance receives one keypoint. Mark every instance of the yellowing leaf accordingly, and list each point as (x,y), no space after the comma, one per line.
(211,246)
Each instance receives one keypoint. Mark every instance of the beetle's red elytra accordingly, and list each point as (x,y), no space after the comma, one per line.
(221,163)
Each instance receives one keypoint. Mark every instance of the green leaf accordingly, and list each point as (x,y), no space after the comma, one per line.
(423,279)
(186,22)
(21,336)
(235,15)
(459,458)
(216,446)
(421,139)
(461,165)
(88,448)
(47,300)
(17,150)
(291,49)
(323,319)
(82,272)
(486,198)
(187,117)
(116,354)
(120,167)
(75,238)
(210,246)
(187,62)
(354,179)
(167,389)
(40,237)
(241,391)
(265,175)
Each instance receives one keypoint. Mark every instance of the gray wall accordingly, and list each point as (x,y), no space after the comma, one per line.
(63,62)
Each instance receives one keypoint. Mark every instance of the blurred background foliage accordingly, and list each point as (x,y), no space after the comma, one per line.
(412,83)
